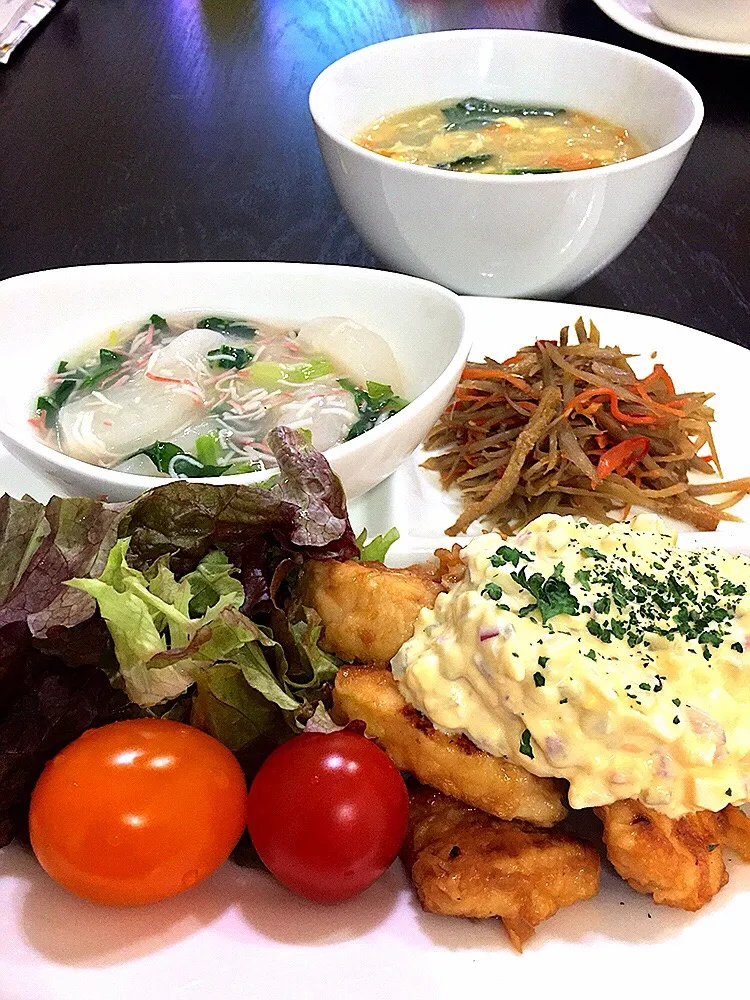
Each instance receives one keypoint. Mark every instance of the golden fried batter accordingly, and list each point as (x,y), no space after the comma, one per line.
(465,863)
(452,764)
(733,831)
(677,861)
(368,610)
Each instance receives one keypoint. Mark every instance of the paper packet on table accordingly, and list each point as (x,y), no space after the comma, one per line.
(17,19)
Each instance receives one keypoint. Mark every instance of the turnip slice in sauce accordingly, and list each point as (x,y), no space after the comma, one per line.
(107,427)
(359,353)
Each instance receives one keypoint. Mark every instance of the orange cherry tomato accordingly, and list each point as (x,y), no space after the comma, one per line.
(137,811)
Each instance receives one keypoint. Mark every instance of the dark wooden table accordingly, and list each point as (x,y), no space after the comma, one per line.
(178,130)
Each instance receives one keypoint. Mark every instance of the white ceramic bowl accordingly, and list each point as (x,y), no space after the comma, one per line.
(723,20)
(532,235)
(49,313)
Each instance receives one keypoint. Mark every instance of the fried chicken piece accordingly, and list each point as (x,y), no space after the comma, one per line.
(368,610)
(451,764)
(464,863)
(733,831)
(677,861)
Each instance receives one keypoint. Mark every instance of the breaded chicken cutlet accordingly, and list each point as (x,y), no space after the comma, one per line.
(369,610)
(451,764)
(677,861)
(464,863)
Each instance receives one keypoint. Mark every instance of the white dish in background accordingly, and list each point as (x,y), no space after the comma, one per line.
(49,313)
(241,935)
(639,17)
(727,21)
(483,234)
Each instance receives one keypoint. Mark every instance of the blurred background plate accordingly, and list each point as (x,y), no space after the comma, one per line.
(638,17)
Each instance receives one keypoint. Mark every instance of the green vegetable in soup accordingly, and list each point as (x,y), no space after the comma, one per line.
(86,377)
(208,448)
(227,327)
(374,404)
(170,459)
(109,362)
(158,322)
(534,170)
(271,374)
(229,357)
(465,163)
(474,113)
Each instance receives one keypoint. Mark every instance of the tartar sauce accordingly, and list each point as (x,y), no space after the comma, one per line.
(603,655)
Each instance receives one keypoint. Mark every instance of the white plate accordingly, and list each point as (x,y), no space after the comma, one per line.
(638,17)
(240,935)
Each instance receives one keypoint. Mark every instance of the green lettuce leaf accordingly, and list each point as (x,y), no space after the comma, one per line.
(377,548)
(211,579)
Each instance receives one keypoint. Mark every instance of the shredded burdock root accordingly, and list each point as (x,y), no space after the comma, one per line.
(570,429)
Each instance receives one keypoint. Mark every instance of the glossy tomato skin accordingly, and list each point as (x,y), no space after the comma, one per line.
(327,813)
(137,811)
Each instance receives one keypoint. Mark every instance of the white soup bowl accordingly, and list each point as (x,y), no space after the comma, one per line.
(483,234)
(50,314)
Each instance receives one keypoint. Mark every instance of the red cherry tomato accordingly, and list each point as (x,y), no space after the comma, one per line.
(327,814)
(137,811)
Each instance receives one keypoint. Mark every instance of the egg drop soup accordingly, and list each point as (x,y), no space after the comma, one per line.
(480,136)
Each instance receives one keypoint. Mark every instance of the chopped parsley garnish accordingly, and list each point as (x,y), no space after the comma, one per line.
(524,746)
(584,578)
(712,847)
(676,720)
(493,592)
(592,553)
(602,606)
(506,554)
(563,701)
(543,661)
(738,647)
(676,701)
(644,686)
(727,792)
(539,680)
(591,654)
(553,596)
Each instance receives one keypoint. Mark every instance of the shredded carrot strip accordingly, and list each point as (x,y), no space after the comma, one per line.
(617,413)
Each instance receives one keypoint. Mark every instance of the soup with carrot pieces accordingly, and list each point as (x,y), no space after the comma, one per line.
(479,136)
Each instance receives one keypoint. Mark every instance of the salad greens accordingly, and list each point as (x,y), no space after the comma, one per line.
(377,548)
(173,605)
